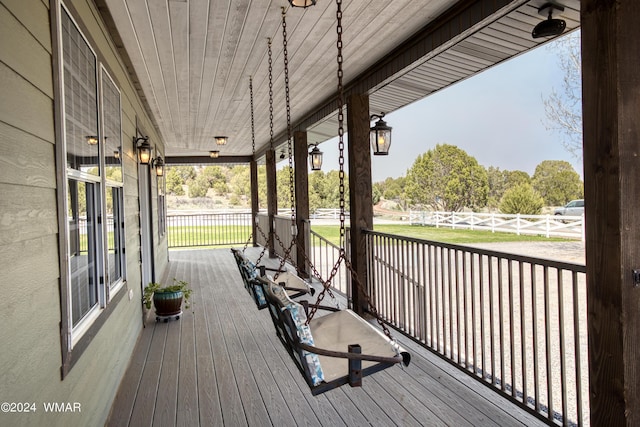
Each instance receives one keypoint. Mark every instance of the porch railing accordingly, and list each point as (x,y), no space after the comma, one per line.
(208,229)
(324,254)
(516,323)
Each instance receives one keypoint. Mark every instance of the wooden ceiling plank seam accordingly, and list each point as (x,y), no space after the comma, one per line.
(153,99)
(228,68)
(179,19)
(197,54)
(218,24)
(158,11)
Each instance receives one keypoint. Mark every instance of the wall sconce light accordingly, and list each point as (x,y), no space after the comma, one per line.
(380,136)
(158,163)
(116,154)
(282,156)
(315,157)
(549,27)
(214,154)
(302,3)
(221,140)
(144,149)
(92,140)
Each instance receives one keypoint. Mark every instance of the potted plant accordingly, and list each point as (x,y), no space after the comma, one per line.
(167,299)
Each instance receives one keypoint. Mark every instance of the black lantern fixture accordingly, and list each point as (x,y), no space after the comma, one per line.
(221,140)
(214,154)
(158,163)
(92,140)
(549,27)
(302,3)
(144,149)
(315,157)
(380,136)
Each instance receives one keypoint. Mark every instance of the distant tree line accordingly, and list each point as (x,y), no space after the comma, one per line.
(444,178)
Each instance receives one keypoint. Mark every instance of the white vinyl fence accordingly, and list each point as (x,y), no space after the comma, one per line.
(544,225)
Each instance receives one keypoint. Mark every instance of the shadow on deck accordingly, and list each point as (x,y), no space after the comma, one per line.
(222,364)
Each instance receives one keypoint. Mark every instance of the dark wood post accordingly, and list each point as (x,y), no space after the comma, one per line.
(272,198)
(611,116)
(253,171)
(360,190)
(302,200)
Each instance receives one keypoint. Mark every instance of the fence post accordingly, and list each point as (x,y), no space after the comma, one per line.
(548,226)
(518,224)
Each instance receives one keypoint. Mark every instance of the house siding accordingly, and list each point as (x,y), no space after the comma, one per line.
(30,306)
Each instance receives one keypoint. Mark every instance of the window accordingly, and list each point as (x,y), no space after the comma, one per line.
(93,185)
(113,179)
(83,172)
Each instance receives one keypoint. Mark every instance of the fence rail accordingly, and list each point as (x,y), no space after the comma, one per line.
(208,229)
(546,225)
(516,323)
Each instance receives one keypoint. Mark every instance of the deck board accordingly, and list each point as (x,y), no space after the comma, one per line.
(222,364)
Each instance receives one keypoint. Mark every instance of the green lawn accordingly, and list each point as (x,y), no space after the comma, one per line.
(446,235)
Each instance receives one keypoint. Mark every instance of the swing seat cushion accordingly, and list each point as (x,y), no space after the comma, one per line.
(304,335)
(336,331)
(294,284)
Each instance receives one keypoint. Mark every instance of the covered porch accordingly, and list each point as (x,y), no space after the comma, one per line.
(222,364)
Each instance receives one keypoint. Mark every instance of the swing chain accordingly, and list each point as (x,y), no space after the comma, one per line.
(270,96)
(341,257)
(288,106)
(253,144)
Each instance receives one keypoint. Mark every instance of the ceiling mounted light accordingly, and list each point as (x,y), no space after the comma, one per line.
(380,136)
(158,163)
(302,3)
(549,27)
(221,140)
(144,149)
(315,157)
(214,154)
(92,140)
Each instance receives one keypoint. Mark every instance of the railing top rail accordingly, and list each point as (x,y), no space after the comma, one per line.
(580,268)
(323,239)
(208,214)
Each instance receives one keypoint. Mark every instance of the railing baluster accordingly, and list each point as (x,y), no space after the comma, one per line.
(547,323)
(534,315)
(563,366)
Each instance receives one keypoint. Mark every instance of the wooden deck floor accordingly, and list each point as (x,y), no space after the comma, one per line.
(222,364)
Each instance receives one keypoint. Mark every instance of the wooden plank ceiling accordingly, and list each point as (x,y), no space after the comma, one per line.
(193,59)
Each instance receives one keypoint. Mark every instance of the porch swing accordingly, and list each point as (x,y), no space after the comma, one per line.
(340,347)
(249,271)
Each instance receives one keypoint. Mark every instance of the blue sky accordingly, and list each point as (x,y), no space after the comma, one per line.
(496,116)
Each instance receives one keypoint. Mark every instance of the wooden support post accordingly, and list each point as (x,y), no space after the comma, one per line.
(355,367)
(360,191)
(302,200)
(272,199)
(253,170)
(611,123)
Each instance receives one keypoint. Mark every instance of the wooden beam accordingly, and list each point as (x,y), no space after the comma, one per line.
(435,37)
(204,160)
(272,199)
(611,90)
(253,171)
(302,200)
(360,191)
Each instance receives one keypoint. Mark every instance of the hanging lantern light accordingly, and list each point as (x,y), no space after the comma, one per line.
(92,140)
(315,157)
(158,163)
(144,149)
(302,3)
(380,136)
(221,140)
